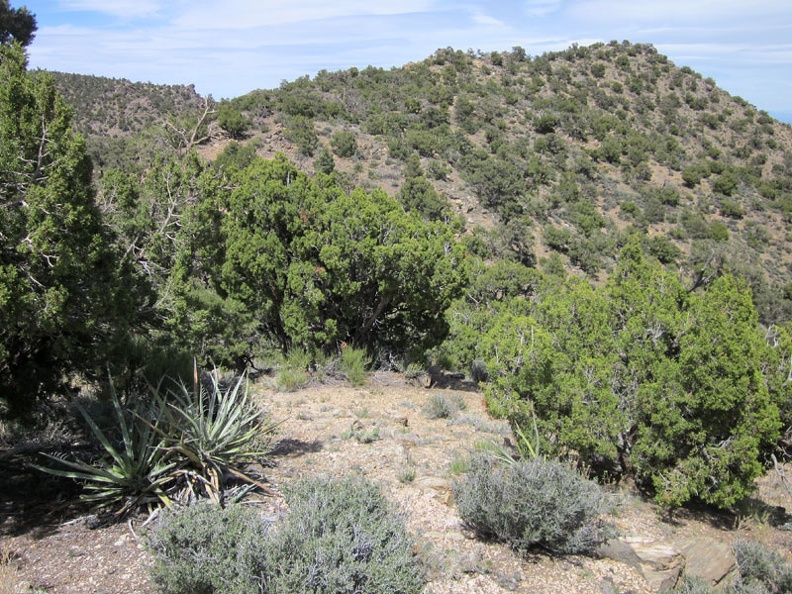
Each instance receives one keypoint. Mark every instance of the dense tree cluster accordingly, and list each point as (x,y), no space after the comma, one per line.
(223,263)
(66,299)
(308,266)
(641,376)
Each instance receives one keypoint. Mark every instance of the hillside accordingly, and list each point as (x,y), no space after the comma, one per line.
(115,115)
(562,153)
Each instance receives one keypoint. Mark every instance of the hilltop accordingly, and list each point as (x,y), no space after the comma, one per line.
(561,154)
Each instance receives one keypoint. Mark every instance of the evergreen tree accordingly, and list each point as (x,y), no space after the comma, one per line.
(284,261)
(65,303)
(16,25)
(641,377)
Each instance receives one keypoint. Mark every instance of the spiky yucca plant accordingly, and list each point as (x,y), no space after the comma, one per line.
(214,431)
(132,471)
(183,445)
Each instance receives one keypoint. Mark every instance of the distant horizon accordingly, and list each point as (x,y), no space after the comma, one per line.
(230,49)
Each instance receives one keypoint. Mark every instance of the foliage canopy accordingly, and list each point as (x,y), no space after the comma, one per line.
(308,266)
(66,299)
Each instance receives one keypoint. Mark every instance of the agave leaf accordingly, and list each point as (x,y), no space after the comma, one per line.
(136,471)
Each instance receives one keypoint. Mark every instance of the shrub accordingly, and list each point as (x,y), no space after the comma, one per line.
(344,143)
(300,130)
(353,365)
(362,435)
(341,536)
(440,407)
(726,183)
(324,162)
(693,585)
(533,503)
(691,176)
(232,120)
(731,209)
(760,565)
(205,549)
(293,373)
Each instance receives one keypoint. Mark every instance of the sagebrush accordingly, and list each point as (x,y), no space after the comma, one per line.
(339,536)
(533,504)
(206,549)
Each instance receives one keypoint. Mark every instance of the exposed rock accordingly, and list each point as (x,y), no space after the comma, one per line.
(620,551)
(663,562)
(659,562)
(441,486)
(711,560)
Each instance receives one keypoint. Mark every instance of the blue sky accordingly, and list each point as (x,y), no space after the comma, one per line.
(227,48)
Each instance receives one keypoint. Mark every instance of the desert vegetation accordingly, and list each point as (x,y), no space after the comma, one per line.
(595,238)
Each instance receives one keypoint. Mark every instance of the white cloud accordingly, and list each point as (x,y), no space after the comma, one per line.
(487,21)
(120,8)
(704,12)
(541,8)
(245,14)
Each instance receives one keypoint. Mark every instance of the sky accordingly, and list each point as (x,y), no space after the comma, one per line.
(230,47)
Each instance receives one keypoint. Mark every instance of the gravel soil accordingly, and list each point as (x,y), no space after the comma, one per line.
(381,430)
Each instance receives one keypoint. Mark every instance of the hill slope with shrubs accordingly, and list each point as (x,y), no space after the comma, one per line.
(554,157)
(595,237)
(596,234)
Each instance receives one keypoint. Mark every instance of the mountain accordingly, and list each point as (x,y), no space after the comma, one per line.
(549,159)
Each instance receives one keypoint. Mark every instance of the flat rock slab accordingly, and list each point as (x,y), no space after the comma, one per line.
(709,559)
(661,562)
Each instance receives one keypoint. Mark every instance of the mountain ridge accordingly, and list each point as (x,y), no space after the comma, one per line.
(549,158)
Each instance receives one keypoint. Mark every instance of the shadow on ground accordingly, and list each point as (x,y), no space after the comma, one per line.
(296,447)
(33,502)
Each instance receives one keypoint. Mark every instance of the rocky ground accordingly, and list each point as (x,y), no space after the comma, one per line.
(383,430)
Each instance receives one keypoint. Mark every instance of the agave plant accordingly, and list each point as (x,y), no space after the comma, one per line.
(214,431)
(528,446)
(134,470)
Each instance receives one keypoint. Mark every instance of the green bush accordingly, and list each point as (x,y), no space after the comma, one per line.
(344,143)
(324,162)
(232,120)
(725,184)
(533,503)
(205,549)
(440,407)
(300,130)
(761,566)
(353,365)
(341,536)
(731,209)
(293,373)
(134,468)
